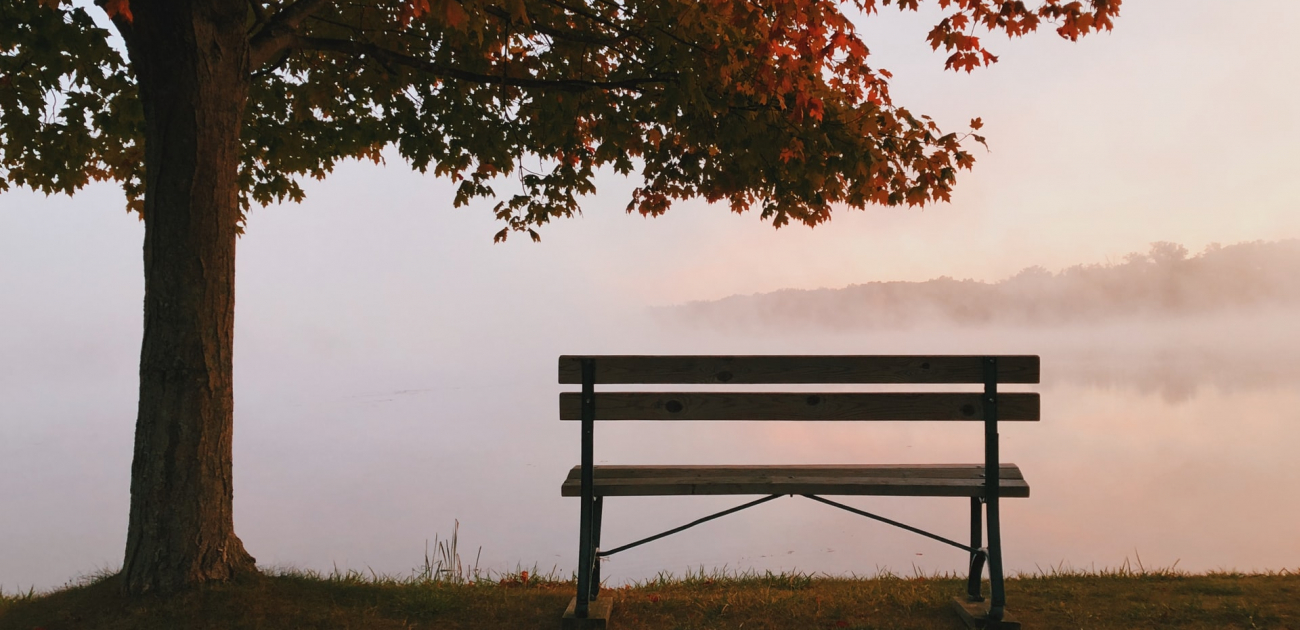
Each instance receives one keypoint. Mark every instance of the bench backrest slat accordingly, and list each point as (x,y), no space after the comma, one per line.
(801,406)
(765,369)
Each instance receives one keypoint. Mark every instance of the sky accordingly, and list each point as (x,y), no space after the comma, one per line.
(1180,126)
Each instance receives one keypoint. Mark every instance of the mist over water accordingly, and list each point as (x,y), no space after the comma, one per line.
(1166,440)
(362,434)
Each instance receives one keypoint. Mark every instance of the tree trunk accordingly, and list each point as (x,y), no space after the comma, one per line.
(191,63)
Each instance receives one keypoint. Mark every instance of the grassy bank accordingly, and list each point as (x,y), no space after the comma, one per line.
(1111,599)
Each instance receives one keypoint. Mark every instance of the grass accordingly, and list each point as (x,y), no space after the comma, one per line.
(444,593)
(467,599)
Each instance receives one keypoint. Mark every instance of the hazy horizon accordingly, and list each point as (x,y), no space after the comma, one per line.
(1163,283)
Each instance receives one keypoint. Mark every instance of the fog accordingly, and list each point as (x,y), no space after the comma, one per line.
(376,407)
(1160,322)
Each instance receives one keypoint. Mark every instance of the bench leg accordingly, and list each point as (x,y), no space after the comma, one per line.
(977,553)
(598,506)
(992,488)
(999,603)
(586,555)
(586,548)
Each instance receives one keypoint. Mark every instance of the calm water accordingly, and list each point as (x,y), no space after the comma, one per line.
(1172,442)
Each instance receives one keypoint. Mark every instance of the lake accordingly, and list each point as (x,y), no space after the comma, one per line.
(355,445)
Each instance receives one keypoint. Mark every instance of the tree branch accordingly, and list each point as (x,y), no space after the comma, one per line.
(259,13)
(384,55)
(570,35)
(280,32)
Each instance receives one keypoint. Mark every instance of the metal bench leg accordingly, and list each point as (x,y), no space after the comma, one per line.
(586,553)
(999,603)
(598,506)
(584,559)
(977,553)
(992,488)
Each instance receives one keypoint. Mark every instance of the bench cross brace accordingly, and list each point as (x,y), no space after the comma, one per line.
(602,554)
(966,548)
(889,522)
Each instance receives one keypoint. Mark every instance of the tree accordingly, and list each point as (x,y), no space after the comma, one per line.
(218,105)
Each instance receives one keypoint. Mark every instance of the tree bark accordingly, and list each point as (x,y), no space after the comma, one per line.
(191,63)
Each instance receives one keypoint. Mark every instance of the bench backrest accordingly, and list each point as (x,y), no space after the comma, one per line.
(803,369)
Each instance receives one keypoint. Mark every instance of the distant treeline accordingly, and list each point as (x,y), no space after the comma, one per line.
(1163,282)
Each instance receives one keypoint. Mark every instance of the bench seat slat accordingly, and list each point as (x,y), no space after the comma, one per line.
(950,471)
(800,406)
(961,480)
(756,369)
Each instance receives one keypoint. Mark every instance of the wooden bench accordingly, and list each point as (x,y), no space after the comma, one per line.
(984,484)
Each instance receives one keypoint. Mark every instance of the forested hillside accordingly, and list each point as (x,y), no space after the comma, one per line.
(1161,283)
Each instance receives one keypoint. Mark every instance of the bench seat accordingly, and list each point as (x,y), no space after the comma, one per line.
(937,480)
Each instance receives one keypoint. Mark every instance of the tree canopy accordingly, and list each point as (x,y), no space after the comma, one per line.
(770,104)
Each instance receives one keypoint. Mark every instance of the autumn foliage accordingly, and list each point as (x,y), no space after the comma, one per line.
(769,104)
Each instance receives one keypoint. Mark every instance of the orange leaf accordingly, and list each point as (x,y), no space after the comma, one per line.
(413,9)
(976,123)
(456,16)
(815,109)
(115,8)
(519,12)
